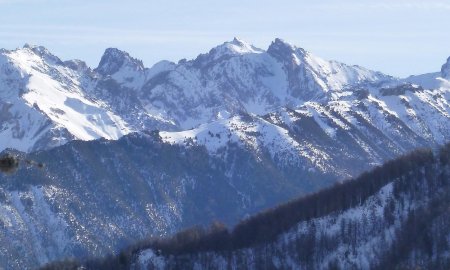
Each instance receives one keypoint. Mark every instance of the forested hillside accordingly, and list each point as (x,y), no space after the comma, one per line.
(396,216)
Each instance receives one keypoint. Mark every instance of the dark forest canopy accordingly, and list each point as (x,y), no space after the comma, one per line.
(9,163)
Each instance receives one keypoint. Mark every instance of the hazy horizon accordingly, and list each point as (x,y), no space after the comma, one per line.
(399,38)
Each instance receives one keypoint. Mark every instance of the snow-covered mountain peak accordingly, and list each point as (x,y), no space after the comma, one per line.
(121,95)
(226,50)
(239,46)
(43,53)
(284,51)
(445,70)
(238,41)
(235,47)
(279,43)
(44,103)
(313,78)
(114,60)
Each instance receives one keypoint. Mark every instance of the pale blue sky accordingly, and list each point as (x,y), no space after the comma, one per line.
(397,37)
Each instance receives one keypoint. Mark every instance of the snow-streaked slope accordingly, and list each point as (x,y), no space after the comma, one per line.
(44,104)
(280,257)
(231,78)
(18,223)
(383,220)
(256,134)
(319,136)
(426,113)
(103,195)
(235,77)
(47,102)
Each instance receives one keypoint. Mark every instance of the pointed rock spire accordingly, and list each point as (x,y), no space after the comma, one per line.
(445,70)
(114,59)
(284,51)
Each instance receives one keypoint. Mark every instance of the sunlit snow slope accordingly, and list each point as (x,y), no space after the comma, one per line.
(43,103)
(46,102)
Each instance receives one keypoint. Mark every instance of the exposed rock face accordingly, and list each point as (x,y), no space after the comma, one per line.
(113,60)
(445,71)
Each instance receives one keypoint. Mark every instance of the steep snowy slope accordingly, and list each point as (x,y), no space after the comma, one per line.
(44,105)
(231,78)
(433,80)
(237,77)
(350,130)
(428,80)
(47,102)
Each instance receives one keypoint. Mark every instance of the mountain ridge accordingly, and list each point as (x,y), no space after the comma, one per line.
(393,216)
(167,96)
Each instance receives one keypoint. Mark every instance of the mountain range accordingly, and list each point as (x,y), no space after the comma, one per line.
(46,102)
(131,151)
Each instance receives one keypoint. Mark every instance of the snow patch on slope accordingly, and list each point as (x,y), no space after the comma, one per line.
(258,135)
